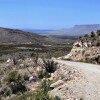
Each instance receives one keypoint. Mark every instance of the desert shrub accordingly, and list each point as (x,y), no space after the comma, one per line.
(26,77)
(42,75)
(42,94)
(98,32)
(81,60)
(16,81)
(88,60)
(21,57)
(86,35)
(15,61)
(80,37)
(28,96)
(92,34)
(87,54)
(46,85)
(50,66)
(7,91)
(18,87)
(13,76)
(97,60)
(98,43)
(68,59)
(57,98)
(0,84)
(81,98)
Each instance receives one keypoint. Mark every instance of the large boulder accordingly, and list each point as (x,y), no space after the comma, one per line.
(57,84)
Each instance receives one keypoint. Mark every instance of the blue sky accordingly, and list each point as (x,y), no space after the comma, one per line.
(48,14)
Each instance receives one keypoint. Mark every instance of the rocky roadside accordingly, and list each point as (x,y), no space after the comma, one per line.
(68,83)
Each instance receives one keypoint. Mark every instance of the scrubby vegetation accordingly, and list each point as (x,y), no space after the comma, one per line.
(50,66)
(42,74)
(87,48)
(16,82)
(18,70)
(27,50)
(41,94)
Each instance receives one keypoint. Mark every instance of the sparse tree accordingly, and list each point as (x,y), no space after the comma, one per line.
(86,35)
(98,32)
(92,34)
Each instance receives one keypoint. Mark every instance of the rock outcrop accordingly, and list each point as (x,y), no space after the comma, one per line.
(67,82)
(86,49)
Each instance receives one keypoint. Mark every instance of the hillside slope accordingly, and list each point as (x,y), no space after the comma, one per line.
(18,36)
(86,49)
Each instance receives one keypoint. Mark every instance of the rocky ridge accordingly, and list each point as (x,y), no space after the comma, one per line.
(65,85)
(86,49)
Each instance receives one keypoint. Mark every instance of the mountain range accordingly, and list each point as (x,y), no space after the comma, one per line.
(76,30)
(13,36)
(44,36)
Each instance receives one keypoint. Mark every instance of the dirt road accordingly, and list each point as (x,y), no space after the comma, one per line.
(92,74)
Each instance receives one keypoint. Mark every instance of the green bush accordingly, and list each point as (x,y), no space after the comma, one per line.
(26,77)
(92,34)
(98,43)
(42,75)
(50,66)
(16,82)
(15,61)
(18,87)
(46,85)
(42,94)
(7,91)
(13,76)
(98,32)
(86,35)
(57,98)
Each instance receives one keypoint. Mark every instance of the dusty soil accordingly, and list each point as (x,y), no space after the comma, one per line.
(88,88)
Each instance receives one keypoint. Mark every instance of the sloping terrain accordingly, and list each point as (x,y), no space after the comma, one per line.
(9,36)
(86,49)
(18,36)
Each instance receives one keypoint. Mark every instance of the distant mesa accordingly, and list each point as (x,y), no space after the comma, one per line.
(76,30)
